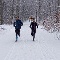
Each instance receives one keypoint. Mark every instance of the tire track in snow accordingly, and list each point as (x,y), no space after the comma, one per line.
(10,52)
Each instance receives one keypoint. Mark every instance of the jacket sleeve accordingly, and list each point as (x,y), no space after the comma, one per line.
(37,25)
(21,23)
(30,25)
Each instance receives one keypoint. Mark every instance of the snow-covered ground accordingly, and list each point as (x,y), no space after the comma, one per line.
(45,47)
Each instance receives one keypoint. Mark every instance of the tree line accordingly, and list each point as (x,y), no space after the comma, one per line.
(40,9)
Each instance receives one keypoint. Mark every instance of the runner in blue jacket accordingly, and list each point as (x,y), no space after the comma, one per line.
(17,24)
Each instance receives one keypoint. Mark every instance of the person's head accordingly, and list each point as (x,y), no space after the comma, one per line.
(17,17)
(33,19)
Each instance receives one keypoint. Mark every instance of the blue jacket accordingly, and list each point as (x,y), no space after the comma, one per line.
(18,24)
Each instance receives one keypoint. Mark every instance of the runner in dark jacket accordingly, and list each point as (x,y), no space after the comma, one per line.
(17,24)
(33,26)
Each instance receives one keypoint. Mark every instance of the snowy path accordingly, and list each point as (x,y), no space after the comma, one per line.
(45,47)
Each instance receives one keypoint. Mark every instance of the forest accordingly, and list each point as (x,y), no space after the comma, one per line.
(46,12)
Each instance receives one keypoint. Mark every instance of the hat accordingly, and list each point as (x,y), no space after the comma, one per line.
(32,18)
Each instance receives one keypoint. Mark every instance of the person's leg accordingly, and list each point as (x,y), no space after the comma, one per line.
(32,32)
(16,35)
(19,33)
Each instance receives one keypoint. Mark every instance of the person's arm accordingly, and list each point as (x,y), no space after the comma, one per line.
(21,23)
(30,25)
(37,25)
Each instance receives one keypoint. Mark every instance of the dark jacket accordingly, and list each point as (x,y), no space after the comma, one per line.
(18,24)
(33,26)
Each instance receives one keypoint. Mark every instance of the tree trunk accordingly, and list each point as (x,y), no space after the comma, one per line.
(1,12)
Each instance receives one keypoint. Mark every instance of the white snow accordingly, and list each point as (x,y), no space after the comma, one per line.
(45,47)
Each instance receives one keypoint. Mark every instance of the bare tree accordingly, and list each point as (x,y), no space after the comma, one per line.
(1,12)
(39,9)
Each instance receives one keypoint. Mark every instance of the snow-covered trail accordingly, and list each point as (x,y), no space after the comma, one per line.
(45,47)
